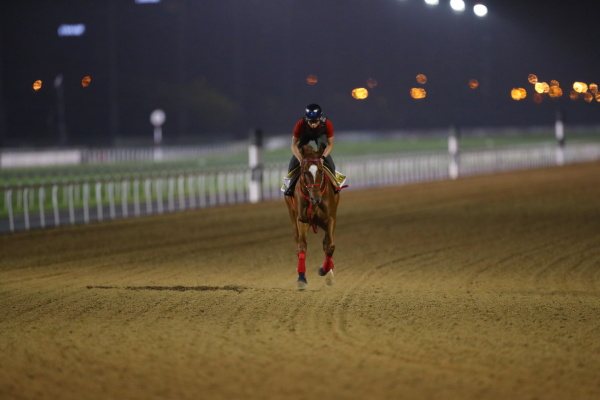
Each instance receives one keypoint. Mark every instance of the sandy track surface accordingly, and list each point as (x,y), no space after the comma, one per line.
(481,288)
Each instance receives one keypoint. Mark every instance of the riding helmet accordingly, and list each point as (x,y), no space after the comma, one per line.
(313,111)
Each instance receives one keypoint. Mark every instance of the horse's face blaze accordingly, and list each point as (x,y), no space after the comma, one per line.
(313,179)
(313,170)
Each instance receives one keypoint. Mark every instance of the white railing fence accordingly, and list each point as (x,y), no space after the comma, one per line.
(39,206)
(15,158)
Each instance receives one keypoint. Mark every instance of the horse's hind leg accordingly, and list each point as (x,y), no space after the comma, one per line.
(328,247)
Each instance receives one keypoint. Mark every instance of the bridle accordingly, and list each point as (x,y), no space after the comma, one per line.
(308,186)
(309,197)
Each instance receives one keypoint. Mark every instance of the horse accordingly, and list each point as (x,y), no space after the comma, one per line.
(314,205)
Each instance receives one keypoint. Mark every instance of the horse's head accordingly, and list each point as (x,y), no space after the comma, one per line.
(312,175)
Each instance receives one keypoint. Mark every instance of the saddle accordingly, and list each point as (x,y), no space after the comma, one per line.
(338,179)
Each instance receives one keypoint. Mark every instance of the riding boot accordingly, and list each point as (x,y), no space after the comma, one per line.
(290,190)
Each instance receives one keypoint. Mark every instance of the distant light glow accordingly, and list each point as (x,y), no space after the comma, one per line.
(593,88)
(418,93)
(58,81)
(555,92)
(473,83)
(542,87)
(371,83)
(537,98)
(422,79)
(518,94)
(533,79)
(147,1)
(71,30)
(457,5)
(312,79)
(37,85)
(85,82)
(580,87)
(587,96)
(480,10)
(360,93)
(574,95)
(432,2)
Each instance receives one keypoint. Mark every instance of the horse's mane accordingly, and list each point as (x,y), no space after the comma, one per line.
(307,151)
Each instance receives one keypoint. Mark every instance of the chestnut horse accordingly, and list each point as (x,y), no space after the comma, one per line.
(313,205)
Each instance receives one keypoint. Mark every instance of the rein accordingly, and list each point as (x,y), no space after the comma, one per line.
(307,197)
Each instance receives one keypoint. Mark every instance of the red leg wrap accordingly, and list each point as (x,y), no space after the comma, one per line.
(328,264)
(301,262)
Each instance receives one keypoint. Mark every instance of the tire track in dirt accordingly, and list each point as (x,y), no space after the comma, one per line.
(463,289)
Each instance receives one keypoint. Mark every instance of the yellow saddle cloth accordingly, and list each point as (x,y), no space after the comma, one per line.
(338,178)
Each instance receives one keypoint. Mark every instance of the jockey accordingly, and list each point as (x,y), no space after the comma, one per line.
(313,127)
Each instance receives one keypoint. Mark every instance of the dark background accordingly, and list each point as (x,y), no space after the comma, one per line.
(220,69)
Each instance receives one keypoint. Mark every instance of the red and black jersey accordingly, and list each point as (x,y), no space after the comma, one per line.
(303,130)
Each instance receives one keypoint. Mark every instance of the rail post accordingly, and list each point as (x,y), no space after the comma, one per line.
(11,219)
(157,119)
(559,130)
(256,165)
(453,150)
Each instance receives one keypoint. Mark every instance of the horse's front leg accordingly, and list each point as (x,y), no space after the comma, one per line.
(328,247)
(301,246)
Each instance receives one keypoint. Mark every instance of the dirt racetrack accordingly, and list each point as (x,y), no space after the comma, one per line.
(480,288)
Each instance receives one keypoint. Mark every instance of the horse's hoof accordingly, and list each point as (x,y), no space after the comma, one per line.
(321,271)
(329,281)
(302,283)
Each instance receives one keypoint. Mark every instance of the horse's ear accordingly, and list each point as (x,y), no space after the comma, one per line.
(321,150)
(303,150)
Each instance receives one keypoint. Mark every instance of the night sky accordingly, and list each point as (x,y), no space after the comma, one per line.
(220,69)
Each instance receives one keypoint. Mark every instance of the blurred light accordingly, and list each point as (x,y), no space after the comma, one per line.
(312,79)
(587,96)
(518,93)
(360,93)
(574,95)
(371,83)
(542,87)
(554,83)
(532,79)
(457,5)
(523,93)
(58,81)
(580,87)
(147,1)
(422,79)
(537,98)
(418,93)
(598,97)
(71,30)
(538,87)
(37,85)
(432,2)
(593,88)
(85,82)
(473,83)
(555,92)
(480,10)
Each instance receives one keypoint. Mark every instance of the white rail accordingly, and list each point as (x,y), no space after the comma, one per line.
(41,206)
